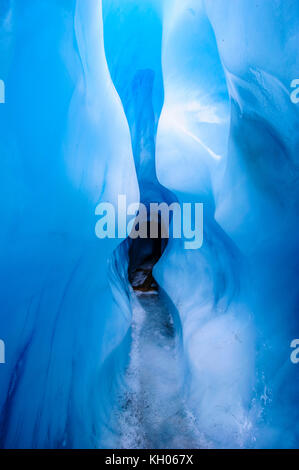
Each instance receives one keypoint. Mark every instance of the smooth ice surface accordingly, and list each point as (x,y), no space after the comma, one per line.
(59,158)
(237,296)
(160,100)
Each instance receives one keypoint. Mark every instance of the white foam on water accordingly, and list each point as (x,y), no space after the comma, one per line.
(153,413)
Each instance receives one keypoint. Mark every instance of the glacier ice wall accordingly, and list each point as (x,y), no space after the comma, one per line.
(238,295)
(134,61)
(59,158)
(203,115)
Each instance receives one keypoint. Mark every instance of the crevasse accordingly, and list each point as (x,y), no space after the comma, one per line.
(160,101)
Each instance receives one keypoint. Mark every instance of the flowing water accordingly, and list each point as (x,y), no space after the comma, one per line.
(153,413)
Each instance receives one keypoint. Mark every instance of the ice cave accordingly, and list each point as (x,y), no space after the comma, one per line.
(140,343)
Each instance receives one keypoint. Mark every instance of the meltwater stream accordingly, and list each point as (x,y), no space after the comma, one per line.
(152,413)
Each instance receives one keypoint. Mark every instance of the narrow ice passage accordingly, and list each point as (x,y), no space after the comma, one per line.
(157,101)
(150,411)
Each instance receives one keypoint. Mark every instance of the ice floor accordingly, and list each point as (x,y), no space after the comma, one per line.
(152,413)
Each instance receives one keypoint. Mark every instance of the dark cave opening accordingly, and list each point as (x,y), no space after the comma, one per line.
(144,253)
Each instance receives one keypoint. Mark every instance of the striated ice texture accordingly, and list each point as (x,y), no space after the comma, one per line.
(160,100)
(238,295)
(65,145)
